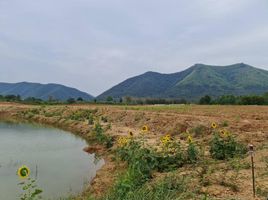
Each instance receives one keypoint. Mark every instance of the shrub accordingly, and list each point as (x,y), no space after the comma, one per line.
(171,157)
(101,137)
(227,147)
(139,158)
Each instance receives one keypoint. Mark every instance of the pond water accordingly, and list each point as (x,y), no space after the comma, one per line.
(55,158)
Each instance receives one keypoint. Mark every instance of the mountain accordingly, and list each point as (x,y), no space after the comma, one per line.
(194,82)
(42,91)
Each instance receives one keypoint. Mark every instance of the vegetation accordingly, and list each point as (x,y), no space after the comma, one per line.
(225,147)
(236,100)
(143,160)
(46,92)
(101,137)
(30,190)
(193,83)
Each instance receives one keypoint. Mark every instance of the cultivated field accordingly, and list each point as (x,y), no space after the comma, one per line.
(197,176)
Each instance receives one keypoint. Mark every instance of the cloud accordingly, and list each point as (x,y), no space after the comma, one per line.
(94,44)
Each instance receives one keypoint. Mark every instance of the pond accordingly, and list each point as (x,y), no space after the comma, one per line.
(55,157)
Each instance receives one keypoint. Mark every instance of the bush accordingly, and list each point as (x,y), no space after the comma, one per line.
(171,157)
(101,137)
(227,147)
(139,158)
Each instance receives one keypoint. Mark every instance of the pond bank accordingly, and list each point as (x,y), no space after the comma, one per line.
(104,177)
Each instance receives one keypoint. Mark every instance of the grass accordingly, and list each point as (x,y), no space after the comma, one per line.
(160,108)
(168,188)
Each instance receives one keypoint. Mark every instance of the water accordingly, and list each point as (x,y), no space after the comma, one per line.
(55,157)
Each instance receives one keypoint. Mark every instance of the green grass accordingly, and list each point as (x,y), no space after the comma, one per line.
(168,188)
(159,108)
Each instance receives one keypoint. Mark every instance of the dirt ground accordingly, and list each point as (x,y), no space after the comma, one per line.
(248,123)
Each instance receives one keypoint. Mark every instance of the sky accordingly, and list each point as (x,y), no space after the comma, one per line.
(93,45)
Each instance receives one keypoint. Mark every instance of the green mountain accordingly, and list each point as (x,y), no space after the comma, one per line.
(194,82)
(42,91)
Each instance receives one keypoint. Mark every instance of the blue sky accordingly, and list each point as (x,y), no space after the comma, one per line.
(95,44)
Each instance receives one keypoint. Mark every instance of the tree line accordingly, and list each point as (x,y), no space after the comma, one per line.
(205,100)
(235,100)
(38,101)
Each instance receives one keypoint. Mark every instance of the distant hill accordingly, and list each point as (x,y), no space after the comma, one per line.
(194,82)
(42,91)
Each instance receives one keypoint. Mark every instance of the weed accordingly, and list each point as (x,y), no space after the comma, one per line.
(192,153)
(225,123)
(199,130)
(30,190)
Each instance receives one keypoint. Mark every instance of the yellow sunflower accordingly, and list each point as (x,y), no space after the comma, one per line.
(168,136)
(122,141)
(190,139)
(144,129)
(213,125)
(165,139)
(226,133)
(23,172)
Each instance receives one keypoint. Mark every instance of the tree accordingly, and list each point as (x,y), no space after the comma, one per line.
(80,99)
(226,100)
(109,99)
(11,97)
(128,99)
(205,100)
(71,100)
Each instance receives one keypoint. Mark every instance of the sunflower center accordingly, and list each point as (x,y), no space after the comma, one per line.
(24,172)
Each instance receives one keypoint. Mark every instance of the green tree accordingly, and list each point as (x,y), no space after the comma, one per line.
(128,99)
(71,101)
(80,99)
(205,100)
(109,99)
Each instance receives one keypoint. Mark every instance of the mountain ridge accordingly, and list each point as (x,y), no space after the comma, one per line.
(42,91)
(194,82)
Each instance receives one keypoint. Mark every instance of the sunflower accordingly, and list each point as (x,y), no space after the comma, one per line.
(190,139)
(122,141)
(226,133)
(222,132)
(168,136)
(23,172)
(213,125)
(144,129)
(165,139)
